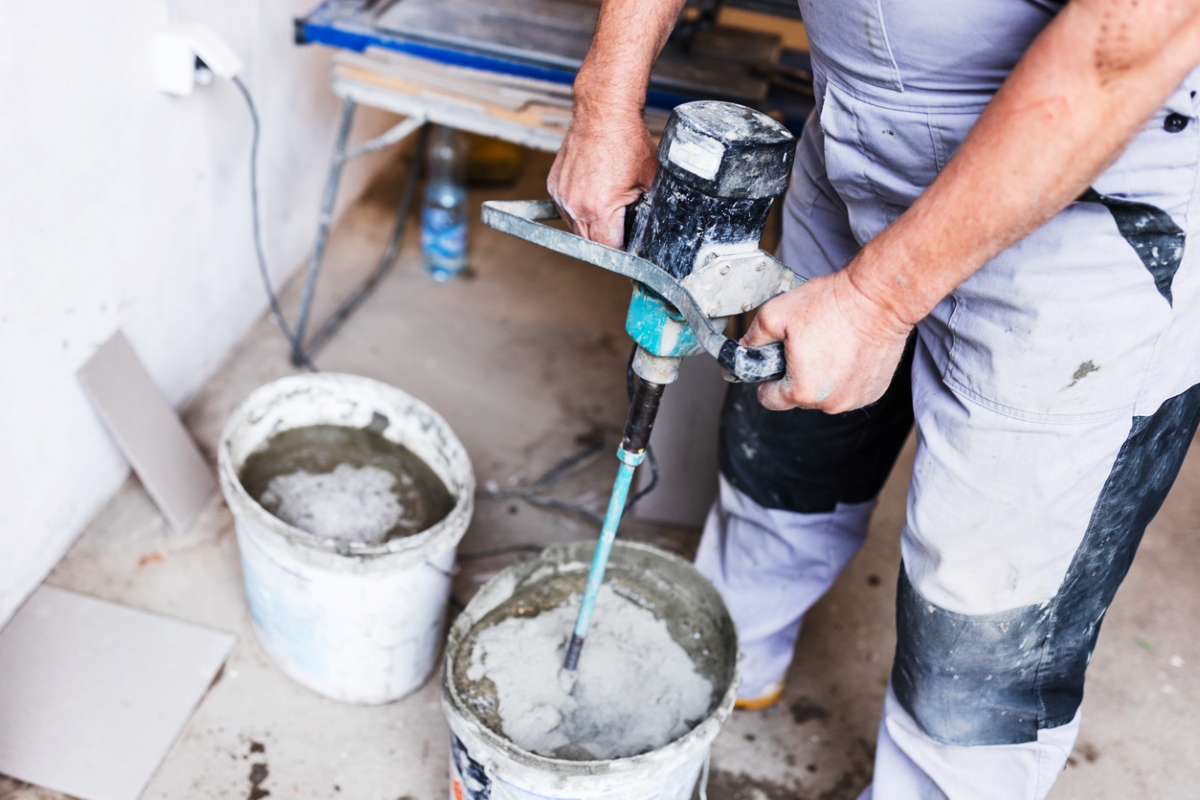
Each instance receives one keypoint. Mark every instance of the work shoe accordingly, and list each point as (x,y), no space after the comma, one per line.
(768,697)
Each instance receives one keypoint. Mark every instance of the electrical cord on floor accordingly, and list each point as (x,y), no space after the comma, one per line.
(536,549)
(532,492)
(276,312)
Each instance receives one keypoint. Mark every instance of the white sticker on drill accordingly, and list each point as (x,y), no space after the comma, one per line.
(699,155)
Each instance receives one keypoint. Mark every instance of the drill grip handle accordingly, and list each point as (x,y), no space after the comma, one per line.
(753,364)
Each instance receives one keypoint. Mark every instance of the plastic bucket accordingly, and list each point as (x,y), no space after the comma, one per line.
(356,622)
(484,765)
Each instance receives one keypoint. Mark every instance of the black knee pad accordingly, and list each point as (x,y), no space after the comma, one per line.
(809,461)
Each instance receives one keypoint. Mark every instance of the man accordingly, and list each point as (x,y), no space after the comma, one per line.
(1015,182)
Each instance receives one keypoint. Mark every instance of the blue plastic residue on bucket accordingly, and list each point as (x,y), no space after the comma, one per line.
(285,624)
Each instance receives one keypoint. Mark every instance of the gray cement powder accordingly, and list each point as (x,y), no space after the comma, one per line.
(348,484)
(350,504)
(635,690)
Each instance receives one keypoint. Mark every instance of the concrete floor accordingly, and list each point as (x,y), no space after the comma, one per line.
(526,360)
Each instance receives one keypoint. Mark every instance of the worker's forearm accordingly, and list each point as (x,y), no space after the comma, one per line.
(629,36)
(1075,100)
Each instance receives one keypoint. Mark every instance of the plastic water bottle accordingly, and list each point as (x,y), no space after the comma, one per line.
(444,216)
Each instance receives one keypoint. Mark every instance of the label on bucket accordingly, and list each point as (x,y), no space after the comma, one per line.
(468,779)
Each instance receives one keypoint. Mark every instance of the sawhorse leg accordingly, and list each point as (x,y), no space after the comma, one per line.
(300,353)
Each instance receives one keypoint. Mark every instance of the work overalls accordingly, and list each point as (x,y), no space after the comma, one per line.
(1055,393)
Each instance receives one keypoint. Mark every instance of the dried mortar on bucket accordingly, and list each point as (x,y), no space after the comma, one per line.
(347,484)
(646,677)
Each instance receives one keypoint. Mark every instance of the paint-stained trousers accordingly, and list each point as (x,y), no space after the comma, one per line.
(1054,394)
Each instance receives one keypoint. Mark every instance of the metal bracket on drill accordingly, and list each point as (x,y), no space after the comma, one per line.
(733,284)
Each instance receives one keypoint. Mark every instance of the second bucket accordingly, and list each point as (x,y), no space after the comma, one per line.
(485,765)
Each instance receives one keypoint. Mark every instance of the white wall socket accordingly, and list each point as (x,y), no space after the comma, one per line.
(173,57)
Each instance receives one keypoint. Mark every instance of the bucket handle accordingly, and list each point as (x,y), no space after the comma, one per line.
(704,774)
(449,574)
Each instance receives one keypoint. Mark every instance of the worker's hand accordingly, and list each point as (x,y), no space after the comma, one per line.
(841,346)
(606,162)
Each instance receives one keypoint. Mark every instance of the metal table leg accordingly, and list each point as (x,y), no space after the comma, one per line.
(324,220)
(302,354)
(351,304)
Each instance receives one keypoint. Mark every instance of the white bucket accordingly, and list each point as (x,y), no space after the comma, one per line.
(484,765)
(356,622)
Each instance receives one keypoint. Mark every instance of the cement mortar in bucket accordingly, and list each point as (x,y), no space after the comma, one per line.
(356,622)
(486,765)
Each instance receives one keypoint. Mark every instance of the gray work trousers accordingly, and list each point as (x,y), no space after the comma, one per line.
(1055,393)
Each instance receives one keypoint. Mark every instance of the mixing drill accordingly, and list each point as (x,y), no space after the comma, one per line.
(693,254)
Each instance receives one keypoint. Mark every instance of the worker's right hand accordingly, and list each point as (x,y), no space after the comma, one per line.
(606,163)
(841,343)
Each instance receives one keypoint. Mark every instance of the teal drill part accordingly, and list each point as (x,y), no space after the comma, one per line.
(608,533)
(658,327)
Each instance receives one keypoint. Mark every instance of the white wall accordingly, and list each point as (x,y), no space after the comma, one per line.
(123,207)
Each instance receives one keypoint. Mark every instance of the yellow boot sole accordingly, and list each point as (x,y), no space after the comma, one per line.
(769,697)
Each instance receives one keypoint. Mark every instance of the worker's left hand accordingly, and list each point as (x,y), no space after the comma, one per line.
(841,346)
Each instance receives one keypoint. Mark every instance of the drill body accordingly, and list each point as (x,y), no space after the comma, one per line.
(720,167)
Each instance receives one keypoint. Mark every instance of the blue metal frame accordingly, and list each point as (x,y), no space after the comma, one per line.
(349,25)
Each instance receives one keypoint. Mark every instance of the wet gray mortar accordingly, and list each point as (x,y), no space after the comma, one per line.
(637,572)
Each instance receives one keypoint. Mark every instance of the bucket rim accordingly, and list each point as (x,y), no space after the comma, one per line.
(231,484)
(458,711)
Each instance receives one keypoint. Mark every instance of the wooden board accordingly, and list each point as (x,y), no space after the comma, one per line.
(521,110)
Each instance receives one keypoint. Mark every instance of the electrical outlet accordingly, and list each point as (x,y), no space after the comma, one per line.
(190,54)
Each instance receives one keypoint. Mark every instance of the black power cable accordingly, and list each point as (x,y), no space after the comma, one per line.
(276,312)
(536,549)
(532,492)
